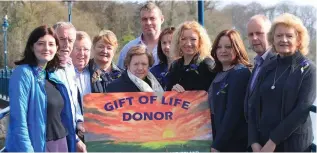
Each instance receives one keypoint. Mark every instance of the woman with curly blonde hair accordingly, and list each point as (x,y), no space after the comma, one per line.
(190,48)
(279,119)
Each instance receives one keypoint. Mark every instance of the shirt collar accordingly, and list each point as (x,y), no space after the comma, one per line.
(140,41)
(264,55)
(84,70)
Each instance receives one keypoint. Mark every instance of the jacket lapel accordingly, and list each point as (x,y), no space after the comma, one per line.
(266,66)
(270,56)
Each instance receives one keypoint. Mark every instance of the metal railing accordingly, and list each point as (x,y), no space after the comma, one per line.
(4,83)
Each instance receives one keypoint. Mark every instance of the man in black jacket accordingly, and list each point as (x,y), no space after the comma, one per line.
(257,28)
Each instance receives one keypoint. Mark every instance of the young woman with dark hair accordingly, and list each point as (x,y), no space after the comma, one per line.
(40,115)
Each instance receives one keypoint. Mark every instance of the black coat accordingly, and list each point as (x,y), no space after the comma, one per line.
(247,105)
(294,131)
(99,79)
(122,84)
(227,98)
(197,78)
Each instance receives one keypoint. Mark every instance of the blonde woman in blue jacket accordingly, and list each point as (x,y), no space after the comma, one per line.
(40,111)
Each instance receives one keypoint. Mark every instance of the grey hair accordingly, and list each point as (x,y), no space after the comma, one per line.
(62,24)
(263,18)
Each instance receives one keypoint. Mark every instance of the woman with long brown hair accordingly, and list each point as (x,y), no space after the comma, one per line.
(227,91)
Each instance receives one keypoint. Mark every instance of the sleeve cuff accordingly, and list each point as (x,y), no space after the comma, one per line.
(215,145)
(77,139)
(275,138)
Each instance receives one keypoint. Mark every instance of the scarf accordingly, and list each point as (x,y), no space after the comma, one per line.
(143,86)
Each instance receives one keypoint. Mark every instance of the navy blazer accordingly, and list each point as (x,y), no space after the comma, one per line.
(247,105)
(160,72)
(100,85)
(299,93)
(122,84)
(228,119)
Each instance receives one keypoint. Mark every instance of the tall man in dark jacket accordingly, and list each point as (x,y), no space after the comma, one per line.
(257,28)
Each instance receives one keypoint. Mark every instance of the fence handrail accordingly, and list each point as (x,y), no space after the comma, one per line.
(4,112)
(313,109)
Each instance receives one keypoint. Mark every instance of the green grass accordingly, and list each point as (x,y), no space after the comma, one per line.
(179,146)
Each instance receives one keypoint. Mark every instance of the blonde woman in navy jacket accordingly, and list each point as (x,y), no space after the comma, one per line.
(40,111)
(193,65)
(227,91)
(279,120)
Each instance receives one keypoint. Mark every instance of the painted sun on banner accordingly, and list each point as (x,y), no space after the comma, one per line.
(147,122)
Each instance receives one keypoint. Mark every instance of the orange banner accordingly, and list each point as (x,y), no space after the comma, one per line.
(146,122)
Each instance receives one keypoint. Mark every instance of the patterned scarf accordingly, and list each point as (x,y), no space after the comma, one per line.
(143,86)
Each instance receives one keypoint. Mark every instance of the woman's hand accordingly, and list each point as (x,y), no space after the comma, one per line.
(269,146)
(256,147)
(178,88)
(81,147)
(81,129)
(213,150)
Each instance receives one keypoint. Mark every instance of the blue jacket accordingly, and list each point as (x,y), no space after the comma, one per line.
(100,79)
(28,104)
(160,72)
(227,98)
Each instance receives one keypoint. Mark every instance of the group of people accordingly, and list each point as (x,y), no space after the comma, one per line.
(263,110)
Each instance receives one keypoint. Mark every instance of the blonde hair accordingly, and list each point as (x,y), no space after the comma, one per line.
(108,37)
(138,50)
(291,21)
(204,46)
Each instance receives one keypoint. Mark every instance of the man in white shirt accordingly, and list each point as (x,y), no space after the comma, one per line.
(151,21)
(80,58)
(66,34)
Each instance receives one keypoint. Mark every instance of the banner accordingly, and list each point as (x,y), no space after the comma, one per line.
(147,122)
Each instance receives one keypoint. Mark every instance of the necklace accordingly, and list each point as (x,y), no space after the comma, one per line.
(273,85)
